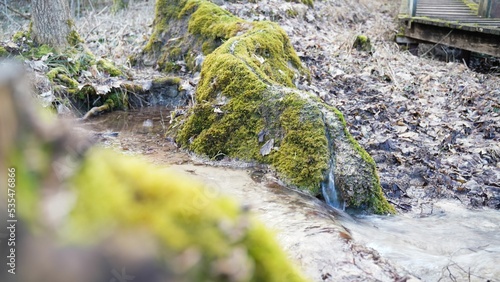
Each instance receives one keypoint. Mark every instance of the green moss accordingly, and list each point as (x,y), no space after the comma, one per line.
(310,3)
(208,47)
(41,51)
(472,5)
(362,43)
(68,81)
(210,21)
(303,153)
(108,67)
(111,102)
(206,22)
(165,10)
(3,52)
(74,38)
(120,193)
(175,53)
(291,13)
(167,80)
(22,35)
(52,74)
(169,67)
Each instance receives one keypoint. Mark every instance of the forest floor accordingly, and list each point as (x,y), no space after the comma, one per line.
(432,127)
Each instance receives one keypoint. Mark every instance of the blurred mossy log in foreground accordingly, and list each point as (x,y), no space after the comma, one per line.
(90,214)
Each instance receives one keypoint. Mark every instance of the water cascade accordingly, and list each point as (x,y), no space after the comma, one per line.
(330,193)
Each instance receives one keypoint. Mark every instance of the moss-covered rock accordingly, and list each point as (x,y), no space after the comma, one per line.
(362,43)
(71,71)
(108,67)
(247,106)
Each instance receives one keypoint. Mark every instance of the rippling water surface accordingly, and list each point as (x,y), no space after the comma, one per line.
(453,244)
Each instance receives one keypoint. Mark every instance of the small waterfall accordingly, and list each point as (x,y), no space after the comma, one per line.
(329,191)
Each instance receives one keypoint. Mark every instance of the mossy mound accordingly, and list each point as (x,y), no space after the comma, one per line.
(362,43)
(247,106)
(71,70)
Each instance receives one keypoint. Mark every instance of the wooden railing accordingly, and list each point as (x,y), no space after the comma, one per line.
(412,7)
(487,8)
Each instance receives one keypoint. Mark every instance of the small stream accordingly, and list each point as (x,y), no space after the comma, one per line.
(452,244)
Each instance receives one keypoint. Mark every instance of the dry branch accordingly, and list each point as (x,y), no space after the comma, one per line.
(26,16)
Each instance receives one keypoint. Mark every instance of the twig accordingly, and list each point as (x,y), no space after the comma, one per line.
(16,11)
(11,19)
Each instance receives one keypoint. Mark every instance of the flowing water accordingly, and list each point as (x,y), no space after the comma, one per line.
(330,193)
(451,244)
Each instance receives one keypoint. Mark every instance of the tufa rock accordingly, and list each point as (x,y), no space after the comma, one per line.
(253,68)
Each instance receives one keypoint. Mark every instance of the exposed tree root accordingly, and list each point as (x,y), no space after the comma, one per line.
(95,111)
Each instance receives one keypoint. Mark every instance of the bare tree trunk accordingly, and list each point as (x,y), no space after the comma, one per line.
(52,23)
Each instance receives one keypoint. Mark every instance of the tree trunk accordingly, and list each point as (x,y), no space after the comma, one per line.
(52,23)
